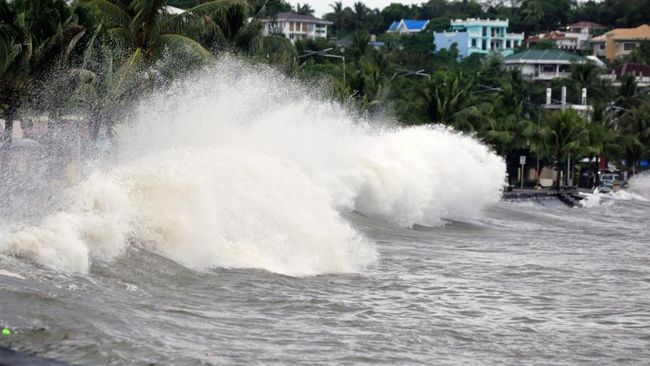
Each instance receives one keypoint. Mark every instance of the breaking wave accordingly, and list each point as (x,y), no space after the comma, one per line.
(239,167)
(640,184)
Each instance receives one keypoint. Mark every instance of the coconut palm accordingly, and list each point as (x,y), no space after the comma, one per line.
(447,99)
(629,95)
(601,141)
(587,75)
(304,9)
(533,13)
(277,51)
(146,28)
(563,134)
(365,84)
(265,8)
(33,36)
(360,13)
(635,124)
(339,15)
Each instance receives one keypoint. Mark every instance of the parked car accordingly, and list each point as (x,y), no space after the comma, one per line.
(610,182)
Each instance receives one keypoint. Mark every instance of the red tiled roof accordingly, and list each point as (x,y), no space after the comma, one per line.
(548,37)
(587,24)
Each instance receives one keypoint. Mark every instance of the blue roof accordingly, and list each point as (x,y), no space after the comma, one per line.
(415,24)
(393,26)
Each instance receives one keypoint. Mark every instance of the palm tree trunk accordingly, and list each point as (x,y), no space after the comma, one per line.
(558,172)
(597,170)
(591,172)
(9,117)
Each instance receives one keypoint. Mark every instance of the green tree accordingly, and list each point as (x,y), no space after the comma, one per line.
(533,14)
(277,51)
(563,135)
(34,35)
(635,126)
(587,75)
(304,9)
(146,29)
(447,99)
(338,17)
(360,13)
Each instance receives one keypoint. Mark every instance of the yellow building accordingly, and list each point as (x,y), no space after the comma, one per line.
(620,42)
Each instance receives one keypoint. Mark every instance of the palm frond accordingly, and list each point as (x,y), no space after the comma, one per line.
(112,13)
(71,46)
(177,41)
(124,34)
(129,68)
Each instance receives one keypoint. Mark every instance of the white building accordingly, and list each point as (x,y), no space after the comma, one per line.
(296,26)
(543,64)
(563,40)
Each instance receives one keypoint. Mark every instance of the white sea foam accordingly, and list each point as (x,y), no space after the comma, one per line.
(11,274)
(640,184)
(242,168)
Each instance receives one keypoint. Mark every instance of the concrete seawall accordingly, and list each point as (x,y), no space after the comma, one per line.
(569,197)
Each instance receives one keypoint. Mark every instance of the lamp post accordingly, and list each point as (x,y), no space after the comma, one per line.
(411,73)
(323,53)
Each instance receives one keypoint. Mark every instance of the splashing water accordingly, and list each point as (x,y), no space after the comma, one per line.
(240,168)
(640,184)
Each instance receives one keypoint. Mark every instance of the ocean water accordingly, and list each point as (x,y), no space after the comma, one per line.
(241,219)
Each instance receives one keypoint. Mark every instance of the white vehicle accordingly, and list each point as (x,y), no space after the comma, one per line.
(610,182)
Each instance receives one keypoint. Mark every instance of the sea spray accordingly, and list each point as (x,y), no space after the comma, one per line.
(640,184)
(241,168)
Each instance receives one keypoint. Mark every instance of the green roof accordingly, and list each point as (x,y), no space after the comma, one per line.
(546,55)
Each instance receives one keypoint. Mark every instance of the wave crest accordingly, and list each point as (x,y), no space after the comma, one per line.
(235,167)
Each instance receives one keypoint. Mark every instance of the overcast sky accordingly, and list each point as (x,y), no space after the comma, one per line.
(323,6)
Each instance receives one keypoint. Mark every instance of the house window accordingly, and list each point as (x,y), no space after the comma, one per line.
(484,33)
(508,44)
(291,26)
(548,68)
(629,46)
(602,46)
(484,45)
(474,42)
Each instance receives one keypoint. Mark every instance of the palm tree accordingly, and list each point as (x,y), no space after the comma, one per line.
(628,93)
(360,12)
(339,15)
(563,134)
(304,9)
(447,99)
(277,51)
(33,36)
(265,8)
(635,124)
(601,141)
(587,75)
(365,84)
(146,28)
(533,14)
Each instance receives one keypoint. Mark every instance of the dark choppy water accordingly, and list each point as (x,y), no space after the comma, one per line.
(524,285)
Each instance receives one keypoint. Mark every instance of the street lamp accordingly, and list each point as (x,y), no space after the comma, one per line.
(411,73)
(487,89)
(323,53)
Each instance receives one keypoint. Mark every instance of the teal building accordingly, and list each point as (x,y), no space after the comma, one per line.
(482,36)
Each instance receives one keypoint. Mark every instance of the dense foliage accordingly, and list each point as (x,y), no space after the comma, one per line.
(104,53)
